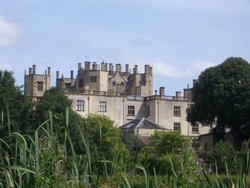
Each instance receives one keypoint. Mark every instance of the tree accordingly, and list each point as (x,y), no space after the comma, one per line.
(104,138)
(12,104)
(221,95)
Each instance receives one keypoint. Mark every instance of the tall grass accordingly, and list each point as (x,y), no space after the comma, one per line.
(41,161)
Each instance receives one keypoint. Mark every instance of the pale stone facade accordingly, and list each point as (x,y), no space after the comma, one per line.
(124,96)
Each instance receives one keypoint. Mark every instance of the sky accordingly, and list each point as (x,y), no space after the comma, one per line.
(178,38)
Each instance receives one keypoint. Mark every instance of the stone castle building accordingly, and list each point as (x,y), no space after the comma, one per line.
(121,95)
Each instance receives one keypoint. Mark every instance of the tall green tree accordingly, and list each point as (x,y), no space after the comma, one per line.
(221,95)
(13,104)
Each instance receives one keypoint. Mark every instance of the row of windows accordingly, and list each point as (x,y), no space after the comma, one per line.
(131,109)
(80,106)
(102,106)
(177,127)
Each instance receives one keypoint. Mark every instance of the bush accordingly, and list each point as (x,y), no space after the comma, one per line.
(223,158)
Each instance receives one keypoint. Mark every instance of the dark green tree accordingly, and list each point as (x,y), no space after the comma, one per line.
(221,95)
(104,138)
(13,104)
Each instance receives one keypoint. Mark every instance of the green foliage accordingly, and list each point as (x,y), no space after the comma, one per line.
(171,154)
(223,158)
(104,139)
(13,104)
(221,95)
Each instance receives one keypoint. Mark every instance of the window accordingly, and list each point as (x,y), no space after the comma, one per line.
(39,86)
(93,79)
(131,110)
(195,128)
(102,106)
(177,111)
(80,105)
(177,126)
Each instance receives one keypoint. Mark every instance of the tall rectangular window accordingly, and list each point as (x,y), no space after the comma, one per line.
(195,128)
(39,86)
(177,126)
(102,106)
(177,111)
(80,105)
(131,110)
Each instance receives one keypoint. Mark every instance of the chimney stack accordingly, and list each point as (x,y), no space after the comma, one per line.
(57,74)
(136,69)
(49,71)
(106,66)
(94,66)
(110,67)
(162,91)
(34,69)
(156,92)
(79,66)
(127,68)
(72,74)
(102,66)
(30,71)
(118,68)
(147,69)
(177,95)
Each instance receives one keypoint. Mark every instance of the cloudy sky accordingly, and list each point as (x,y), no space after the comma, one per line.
(178,38)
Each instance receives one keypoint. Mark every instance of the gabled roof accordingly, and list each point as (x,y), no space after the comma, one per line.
(141,124)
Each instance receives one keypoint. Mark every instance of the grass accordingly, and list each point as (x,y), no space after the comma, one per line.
(41,161)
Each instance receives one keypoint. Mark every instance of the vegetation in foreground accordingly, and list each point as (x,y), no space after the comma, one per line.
(46,161)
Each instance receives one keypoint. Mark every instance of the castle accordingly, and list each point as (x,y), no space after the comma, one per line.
(121,95)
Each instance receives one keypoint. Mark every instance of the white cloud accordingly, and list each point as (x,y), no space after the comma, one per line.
(165,69)
(9,32)
(5,67)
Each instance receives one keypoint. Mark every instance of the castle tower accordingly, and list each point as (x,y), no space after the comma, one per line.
(36,84)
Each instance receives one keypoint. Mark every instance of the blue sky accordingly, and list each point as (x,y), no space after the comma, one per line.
(178,38)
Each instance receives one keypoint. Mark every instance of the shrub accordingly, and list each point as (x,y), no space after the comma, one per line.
(223,158)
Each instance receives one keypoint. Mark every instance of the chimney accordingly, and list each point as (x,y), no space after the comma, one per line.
(94,66)
(87,65)
(147,69)
(156,92)
(177,95)
(49,71)
(118,68)
(57,74)
(102,66)
(45,72)
(79,66)
(71,74)
(187,94)
(34,69)
(162,91)
(136,69)
(30,71)
(106,66)
(110,67)
(127,68)
(151,71)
